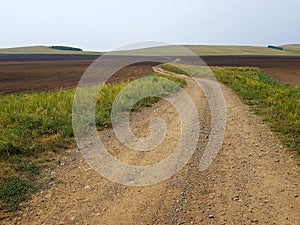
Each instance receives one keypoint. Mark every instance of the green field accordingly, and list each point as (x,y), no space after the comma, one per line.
(292,48)
(213,50)
(202,50)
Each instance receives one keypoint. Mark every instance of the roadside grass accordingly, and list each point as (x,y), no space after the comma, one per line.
(173,69)
(35,126)
(277,103)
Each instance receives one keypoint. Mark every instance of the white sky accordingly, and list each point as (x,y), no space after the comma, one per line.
(108,24)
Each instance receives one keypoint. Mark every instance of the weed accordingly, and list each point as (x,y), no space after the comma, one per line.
(13,191)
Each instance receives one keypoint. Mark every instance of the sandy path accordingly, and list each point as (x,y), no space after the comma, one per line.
(253,180)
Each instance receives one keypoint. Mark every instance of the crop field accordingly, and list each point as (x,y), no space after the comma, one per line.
(56,74)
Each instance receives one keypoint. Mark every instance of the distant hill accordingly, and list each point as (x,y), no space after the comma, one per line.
(43,50)
(238,50)
(214,50)
(292,48)
(202,50)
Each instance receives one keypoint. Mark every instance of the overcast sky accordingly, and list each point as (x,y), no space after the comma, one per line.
(108,24)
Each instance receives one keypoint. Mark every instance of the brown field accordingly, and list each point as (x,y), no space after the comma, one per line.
(26,73)
(282,68)
(39,75)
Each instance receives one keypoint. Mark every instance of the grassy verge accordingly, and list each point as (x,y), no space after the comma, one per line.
(36,126)
(278,104)
(173,69)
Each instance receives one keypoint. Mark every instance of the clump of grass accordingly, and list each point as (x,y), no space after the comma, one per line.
(16,186)
(278,104)
(13,191)
(32,125)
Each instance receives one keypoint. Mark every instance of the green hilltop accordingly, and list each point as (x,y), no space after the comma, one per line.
(41,50)
(202,50)
(215,50)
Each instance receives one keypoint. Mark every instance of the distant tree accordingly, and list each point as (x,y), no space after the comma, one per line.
(275,47)
(67,48)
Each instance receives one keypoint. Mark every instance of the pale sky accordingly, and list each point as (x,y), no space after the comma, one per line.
(106,25)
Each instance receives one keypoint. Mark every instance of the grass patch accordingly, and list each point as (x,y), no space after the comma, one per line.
(176,80)
(188,70)
(173,69)
(278,104)
(13,191)
(35,125)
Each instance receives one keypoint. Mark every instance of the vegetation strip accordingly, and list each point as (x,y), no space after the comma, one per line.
(35,126)
(278,104)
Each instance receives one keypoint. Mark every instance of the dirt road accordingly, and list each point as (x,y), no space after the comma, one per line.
(253,180)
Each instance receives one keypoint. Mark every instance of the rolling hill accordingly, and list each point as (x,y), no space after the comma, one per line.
(41,50)
(202,50)
(295,48)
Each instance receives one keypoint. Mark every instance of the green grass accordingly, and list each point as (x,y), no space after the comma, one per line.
(173,69)
(13,191)
(210,50)
(278,104)
(38,125)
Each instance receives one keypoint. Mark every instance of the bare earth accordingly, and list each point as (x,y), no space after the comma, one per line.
(29,73)
(253,180)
